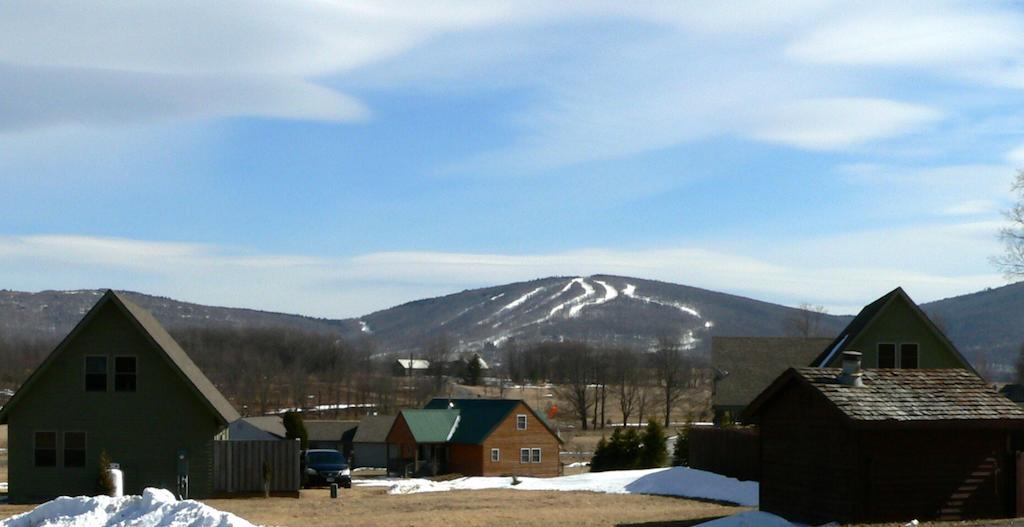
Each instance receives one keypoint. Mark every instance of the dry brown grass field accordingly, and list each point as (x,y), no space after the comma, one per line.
(373,507)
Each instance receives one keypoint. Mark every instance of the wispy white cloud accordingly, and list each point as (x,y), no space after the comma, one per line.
(1016,156)
(838,123)
(917,34)
(664,74)
(916,191)
(840,271)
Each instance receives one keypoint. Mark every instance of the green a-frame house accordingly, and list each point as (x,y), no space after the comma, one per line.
(117,383)
(893,332)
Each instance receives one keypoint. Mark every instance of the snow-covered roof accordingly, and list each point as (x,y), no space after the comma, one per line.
(414,364)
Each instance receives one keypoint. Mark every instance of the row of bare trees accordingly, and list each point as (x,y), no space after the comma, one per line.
(642,382)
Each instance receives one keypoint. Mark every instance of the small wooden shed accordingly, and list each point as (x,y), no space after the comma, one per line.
(884,445)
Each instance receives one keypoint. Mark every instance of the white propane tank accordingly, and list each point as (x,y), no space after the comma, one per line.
(117,478)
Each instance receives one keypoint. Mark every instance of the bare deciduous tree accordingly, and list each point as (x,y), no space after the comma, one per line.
(670,368)
(576,370)
(1011,262)
(626,380)
(806,320)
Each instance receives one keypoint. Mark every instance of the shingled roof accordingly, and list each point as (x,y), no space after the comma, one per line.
(151,328)
(374,429)
(328,430)
(904,396)
(747,365)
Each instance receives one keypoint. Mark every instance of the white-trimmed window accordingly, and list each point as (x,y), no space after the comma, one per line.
(495,455)
(535,455)
(521,422)
(524,455)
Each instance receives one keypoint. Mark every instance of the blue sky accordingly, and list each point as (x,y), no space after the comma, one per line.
(332,158)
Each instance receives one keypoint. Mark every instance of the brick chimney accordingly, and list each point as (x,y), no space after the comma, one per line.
(851,374)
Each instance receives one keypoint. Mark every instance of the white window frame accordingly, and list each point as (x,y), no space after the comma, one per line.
(521,421)
(523,451)
(535,458)
(495,455)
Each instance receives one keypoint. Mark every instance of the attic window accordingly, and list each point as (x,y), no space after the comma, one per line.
(886,355)
(124,374)
(96,374)
(908,356)
(495,455)
(521,422)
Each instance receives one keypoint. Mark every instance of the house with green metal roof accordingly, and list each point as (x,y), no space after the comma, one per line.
(481,437)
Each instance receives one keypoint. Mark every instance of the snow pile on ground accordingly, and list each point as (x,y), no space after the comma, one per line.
(155,508)
(749,519)
(675,481)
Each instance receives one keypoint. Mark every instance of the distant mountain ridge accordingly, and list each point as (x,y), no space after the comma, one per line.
(605,310)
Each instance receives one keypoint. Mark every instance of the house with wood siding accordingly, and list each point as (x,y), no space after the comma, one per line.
(885,445)
(894,332)
(478,437)
(117,383)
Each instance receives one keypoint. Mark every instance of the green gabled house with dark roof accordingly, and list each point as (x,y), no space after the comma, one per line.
(117,383)
(893,332)
(479,437)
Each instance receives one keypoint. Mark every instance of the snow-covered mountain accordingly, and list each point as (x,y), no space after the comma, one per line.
(987,326)
(602,309)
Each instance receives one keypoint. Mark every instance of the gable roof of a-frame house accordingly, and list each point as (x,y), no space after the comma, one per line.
(163,342)
(869,314)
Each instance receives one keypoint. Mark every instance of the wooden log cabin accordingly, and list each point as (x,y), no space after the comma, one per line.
(884,445)
(474,437)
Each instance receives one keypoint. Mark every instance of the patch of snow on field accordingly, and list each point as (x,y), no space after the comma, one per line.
(364,327)
(675,481)
(155,508)
(749,519)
